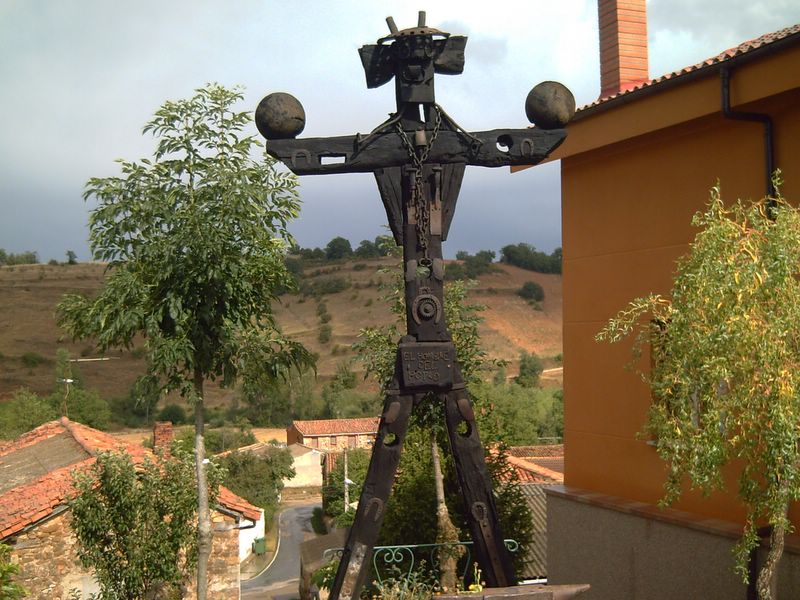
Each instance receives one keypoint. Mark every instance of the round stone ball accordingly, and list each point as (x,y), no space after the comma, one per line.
(280,116)
(550,105)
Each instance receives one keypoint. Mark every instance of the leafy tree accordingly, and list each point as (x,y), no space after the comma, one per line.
(524,415)
(135,524)
(528,257)
(416,501)
(220,439)
(725,349)
(333,491)
(530,368)
(277,402)
(21,258)
(24,412)
(72,258)
(194,239)
(338,247)
(8,589)
(367,249)
(258,478)
(174,413)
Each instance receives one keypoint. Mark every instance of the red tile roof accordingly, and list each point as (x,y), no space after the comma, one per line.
(741,49)
(531,472)
(40,497)
(337,426)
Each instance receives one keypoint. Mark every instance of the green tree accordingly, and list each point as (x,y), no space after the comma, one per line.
(367,249)
(416,513)
(8,589)
(72,258)
(24,412)
(530,368)
(135,524)
(258,478)
(338,247)
(194,239)
(724,351)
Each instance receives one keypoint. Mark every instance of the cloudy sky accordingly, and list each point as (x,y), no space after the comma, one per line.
(79,78)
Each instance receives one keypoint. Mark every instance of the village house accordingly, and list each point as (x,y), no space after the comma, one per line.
(36,475)
(334,435)
(635,167)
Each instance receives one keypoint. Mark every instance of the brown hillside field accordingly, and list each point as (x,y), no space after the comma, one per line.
(30,293)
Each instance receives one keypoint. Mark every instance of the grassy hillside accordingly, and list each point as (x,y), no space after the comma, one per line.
(29,336)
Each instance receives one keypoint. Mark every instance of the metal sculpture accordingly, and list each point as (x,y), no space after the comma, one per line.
(418,157)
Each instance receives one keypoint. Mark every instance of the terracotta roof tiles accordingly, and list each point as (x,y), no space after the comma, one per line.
(741,49)
(338,426)
(40,495)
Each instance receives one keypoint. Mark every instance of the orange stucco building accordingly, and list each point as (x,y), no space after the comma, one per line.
(636,165)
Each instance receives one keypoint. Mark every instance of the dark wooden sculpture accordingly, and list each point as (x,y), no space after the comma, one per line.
(418,157)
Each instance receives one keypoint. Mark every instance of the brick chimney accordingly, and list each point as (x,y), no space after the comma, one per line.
(623,45)
(162,436)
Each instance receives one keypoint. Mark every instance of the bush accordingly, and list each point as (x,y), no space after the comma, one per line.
(527,257)
(324,335)
(24,412)
(323,286)
(531,290)
(174,413)
(258,479)
(219,439)
(31,360)
(530,368)
(318,521)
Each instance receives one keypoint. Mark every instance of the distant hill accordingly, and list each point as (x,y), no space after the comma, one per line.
(29,336)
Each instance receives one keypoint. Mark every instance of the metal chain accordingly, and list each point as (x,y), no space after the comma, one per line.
(421,208)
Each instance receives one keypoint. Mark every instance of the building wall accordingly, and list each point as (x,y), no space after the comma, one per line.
(50,570)
(308,471)
(628,552)
(626,219)
(48,560)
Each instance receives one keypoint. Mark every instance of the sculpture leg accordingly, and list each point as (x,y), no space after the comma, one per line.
(476,486)
(355,562)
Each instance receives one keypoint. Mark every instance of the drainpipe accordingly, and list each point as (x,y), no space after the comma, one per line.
(769,151)
(238,518)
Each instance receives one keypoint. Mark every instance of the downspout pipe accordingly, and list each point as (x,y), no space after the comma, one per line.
(769,150)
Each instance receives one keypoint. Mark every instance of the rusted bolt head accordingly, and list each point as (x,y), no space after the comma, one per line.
(280,116)
(550,105)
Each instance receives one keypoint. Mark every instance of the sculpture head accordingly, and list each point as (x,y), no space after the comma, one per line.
(412,56)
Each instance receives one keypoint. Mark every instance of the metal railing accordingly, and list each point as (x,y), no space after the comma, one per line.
(402,560)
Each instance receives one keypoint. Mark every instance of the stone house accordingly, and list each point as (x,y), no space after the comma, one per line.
(334,435)
(36,473)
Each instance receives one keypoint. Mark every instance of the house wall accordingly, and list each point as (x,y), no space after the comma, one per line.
(50,570)
(48,560)
(631,182)
(626,219)
(308,471)
(629,551)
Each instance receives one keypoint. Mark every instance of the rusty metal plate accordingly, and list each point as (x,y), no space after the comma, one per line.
(427,364)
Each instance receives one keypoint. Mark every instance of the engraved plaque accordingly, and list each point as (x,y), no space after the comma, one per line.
(427,364)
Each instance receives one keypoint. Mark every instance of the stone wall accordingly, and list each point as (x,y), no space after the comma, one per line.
(631,551)
(48,560)
(50,570)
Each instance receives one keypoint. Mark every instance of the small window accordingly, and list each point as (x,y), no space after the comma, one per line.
(333,441)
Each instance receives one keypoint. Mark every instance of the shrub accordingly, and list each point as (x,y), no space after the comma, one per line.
(23,412)
(318,521)
(173,413)
(325,318)
(32,359)
(531,290)
(324,335)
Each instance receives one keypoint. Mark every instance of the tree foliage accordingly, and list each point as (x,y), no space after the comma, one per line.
(337,248)
(8,589)
(725,353)
(258,477)
(195,241)
(528,257)
(135,524)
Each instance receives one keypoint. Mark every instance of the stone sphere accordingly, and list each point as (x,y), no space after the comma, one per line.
(550,105)
(280,116)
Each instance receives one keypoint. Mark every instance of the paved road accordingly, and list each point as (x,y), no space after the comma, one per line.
(284,572)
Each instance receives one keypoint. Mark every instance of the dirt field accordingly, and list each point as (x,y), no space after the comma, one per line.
(29,336)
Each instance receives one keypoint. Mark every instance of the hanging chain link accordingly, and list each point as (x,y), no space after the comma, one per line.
(421,207)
